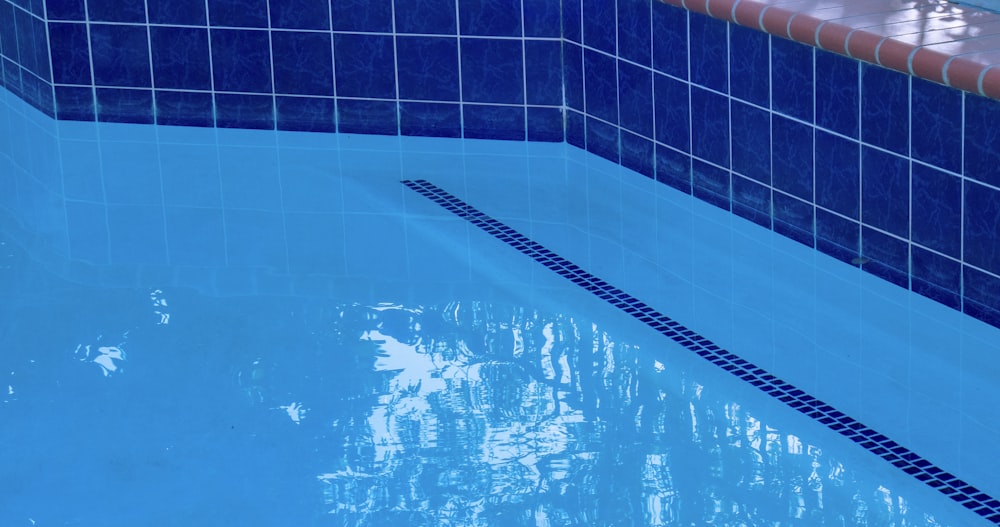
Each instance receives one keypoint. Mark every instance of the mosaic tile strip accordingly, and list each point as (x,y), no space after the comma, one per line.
(899,456)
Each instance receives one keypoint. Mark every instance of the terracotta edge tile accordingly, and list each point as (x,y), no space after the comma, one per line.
(989,83)
(747,13)
(863,45)
(774,20)
(964,74)
(698,6)
(833,37)
(927,64)
(894,54)
(803,28)
(722,9)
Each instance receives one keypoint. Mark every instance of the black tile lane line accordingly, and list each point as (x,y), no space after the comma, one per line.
(899,456)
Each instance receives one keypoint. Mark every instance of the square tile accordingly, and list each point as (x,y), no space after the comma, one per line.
(887,256)
(364,66)
(838,174)
(306,114)
(572,21)
(937,119)
(635,98)
(300,14)
(751,144)
(937,210)
(576,129)
(838,237)
(670,40)
(794,218)
(120,55)
(602,140)
(982,208)
(634,32)
(637,153)
(709,52)
(63,10)
(711,184)
(430,119)
(542,70)
(545,124)
(183,108)
(304,63)
(241,60)
(885,101)
(499,18)
(885,188)
(177,12)
(494,122)
(600,85)
(710,126)
(116,105)
(70,53)
(125,11)
(492,70)
(541,18)
(426,17)
(599,23)
(837,93)
(180,58)
(573,75)
(749,65)
(936,277)
(75,103)
(428,68)
(792,157)
(752,201)
(792,82)
(244,111)
(982,157)
(371,16)
(237,13)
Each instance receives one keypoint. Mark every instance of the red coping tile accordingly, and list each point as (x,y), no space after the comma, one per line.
(928,64)
(698,6)
(894,54)
(802,28)
(722,9)
(963,72)
(990,83)
(863,45)
(747,13)
(833,37)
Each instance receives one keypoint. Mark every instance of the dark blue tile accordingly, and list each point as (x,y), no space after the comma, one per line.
(365,66)
(244,111)
(306,114)
(637,153)
(603,140)
(300,14)
(752,201)
(41,50)
(76,104)
(125,106)
(494,18)
(184,108)
(128,11)
(572,20)
(792,157)
(937,207)
(88,232)
(428,68)
(70,53)
(196,236)
(541,18)
(542,67)
(670,40)
(241,60)
(599,25)
(634,32)
(492,70)
(38,93)
(255,239)
(304,64)
(709,52)
(237,13)
(576,129)
(8,32)
(792,82)
(937,113)
(373,16)
(635,98)
(182,12)
(426,17)
(12,77)
(136,234)
(65,10)
(794,218)
(837,96)
(837,236)
(26,41)
(367,117)
(545,124)
(982,295)
(885,187)
(430,119)
(982,208)
(885,106)
(601,86)
(573,75)
(937,277)
(671,112)
(710,126)
(838,174)
(751,142)
(493,122)
(749,56)
(982,157)
(180,58)
(887,256)
(711,184)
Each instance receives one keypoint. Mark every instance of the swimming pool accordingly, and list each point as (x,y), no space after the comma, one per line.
(259,328)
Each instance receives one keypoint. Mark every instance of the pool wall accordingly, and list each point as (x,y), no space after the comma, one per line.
(861,162)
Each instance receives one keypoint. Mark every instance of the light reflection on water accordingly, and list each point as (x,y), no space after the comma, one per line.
(479,414)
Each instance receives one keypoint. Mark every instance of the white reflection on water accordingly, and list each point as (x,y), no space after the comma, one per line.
(475,414)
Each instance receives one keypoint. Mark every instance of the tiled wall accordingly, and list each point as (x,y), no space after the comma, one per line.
(490,68)
(863,163)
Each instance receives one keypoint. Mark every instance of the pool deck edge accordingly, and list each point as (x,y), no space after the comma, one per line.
(946,43)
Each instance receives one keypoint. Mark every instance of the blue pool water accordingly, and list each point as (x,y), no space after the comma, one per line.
(223,327)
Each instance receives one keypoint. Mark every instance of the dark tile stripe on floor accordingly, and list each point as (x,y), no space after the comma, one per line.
(901,457)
